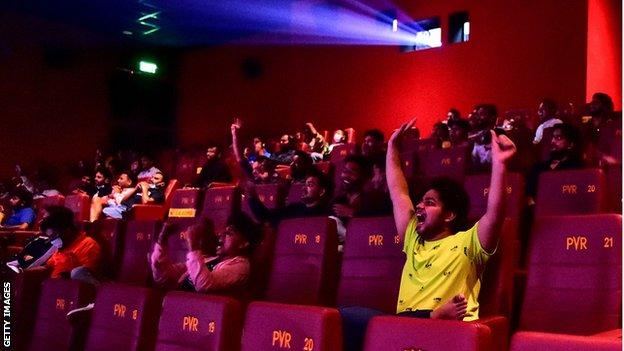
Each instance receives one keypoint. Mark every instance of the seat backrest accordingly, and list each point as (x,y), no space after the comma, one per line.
(478,188)
(172,186)
(176,242)
(109,233)
(497,281)
(574,269)
(191,321)
(186,168)
(337,157)
(453,162)
(40,205)
(372,263)
(613,181)
(272,196)
(219,204)
(124,318)
(304,268)
(402,333)
(295,192)
(571,192)
(80,206)
(530,341)
(52,330)
(184,203)
(25,290)
(138,241)
(271,326)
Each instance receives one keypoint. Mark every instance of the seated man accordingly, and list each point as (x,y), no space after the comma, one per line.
(227,272)
(101,184)
(121,192)
(441,276)
(79,255)
(214,169)
(147,169)
(144,193)
(565,153)
(313,202)
(547,112)
(23,216)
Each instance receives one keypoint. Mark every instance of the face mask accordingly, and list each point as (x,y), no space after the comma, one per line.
(152,186)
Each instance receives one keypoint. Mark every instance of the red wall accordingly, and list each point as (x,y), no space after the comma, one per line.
(49,113)
(519,52)
(604,49)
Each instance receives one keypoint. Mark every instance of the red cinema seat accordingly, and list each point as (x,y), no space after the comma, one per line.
(478,187)
(273,196)
(134,267)
(452,163)
(25,289)
(294,193)
(186,169)
(124,318)
(497,281)
(304,268)
(52,330)
(109,234)
(219,204)
(574,269)
(191,321)
(372,263)
(337,157)
(409,153)
(176,242)
(272,326)
(613,179)
(155,212)
(80,205)
(184,203)
(533,341)
(402,333)
(41,203)
(571,192)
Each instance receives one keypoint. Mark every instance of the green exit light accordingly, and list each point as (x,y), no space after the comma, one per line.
(147,67)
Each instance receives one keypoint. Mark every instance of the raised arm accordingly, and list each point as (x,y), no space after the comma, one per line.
(490,224)
(235,147)
(402,205)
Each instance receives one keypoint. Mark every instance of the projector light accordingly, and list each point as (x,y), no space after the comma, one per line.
(147,67)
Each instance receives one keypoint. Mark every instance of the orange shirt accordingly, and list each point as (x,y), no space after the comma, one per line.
(83,252)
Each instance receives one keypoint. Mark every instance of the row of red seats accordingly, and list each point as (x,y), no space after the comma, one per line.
(570,257)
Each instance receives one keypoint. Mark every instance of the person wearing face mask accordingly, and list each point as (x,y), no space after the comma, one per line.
(144,193)
(340,138)
(441,275)
(227,272)
(78,256)
(121,192)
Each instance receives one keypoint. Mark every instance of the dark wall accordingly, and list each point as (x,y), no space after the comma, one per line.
(519,52)
(53,93)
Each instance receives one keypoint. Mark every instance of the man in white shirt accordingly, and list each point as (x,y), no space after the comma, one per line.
(547,112)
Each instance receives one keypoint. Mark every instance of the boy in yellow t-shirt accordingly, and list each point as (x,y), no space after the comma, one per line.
(444,262)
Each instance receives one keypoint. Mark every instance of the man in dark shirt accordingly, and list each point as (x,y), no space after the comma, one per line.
(313,201)
(214,170)
(144,193)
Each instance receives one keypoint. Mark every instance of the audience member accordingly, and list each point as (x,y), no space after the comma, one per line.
(152,192)
(214,170)
(482,121)
(313,202)
(547,112)
(565,153)
(147,169)
(79,255)
(438,281)
(23,216)
(287,149)
(441,135)
(318,147)
(301,165)
(121,192)
(227,272)
(340,138)
(458,132)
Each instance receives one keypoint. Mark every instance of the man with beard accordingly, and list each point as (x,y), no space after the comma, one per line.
(565,153)
(547,112)
(225,273)
(214,169)
(313,202)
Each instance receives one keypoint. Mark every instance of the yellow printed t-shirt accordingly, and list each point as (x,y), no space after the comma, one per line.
(435,271)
